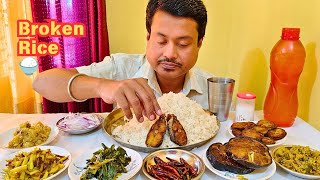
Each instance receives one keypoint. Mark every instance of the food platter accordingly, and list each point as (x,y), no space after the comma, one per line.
(54,149)
(258,174)
(76,167)
(278,142)
(7,136)
(301,175)
(191,158)
(116,118)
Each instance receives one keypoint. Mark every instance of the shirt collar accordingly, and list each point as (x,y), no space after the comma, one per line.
(147,72)
(191,83)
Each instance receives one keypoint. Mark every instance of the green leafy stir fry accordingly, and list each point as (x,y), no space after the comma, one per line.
(106,163)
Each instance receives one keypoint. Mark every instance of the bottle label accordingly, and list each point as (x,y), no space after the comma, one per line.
(244,112)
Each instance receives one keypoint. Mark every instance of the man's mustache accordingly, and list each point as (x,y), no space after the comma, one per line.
(169,60)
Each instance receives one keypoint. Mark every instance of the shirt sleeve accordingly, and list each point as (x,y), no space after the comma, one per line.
(116,66)
(104,69)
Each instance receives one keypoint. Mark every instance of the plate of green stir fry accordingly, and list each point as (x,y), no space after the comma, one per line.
(113,162)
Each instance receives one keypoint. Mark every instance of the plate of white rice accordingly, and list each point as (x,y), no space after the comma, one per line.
(199,125)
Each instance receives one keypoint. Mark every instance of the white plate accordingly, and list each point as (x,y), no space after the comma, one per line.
(278,142)
(76,169)
(304,176)
(7,136)
(258,174)
(54,149)
(83,130)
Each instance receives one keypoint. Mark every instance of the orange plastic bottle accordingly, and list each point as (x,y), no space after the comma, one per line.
(286,64)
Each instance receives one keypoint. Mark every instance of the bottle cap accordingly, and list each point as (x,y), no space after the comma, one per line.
(246,95)
(290,33)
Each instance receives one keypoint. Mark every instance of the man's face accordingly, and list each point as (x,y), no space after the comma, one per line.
(172,46)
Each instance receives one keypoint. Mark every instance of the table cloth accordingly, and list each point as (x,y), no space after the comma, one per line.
(301,133)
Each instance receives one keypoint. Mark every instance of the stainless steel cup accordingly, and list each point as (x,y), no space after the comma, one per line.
(220,91)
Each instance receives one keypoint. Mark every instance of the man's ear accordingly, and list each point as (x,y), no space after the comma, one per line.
(148,36)
(200,43)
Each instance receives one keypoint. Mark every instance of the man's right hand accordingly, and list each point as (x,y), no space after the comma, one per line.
(131,93)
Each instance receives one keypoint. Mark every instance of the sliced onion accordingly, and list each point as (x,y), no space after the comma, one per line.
(78,121)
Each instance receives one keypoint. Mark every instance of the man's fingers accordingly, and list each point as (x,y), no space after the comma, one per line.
(124,105)
(135,103)
(154,106)
(147,101)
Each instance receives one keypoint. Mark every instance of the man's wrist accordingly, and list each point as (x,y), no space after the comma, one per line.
(104,88)
(69,88)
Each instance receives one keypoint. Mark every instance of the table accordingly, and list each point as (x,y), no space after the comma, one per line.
(300,133)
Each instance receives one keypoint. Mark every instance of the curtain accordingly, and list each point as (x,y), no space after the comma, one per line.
(16,93)
(75,51)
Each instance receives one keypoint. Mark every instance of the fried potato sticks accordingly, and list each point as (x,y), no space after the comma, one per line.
(37,164)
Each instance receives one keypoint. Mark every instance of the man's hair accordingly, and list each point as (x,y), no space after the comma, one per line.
(193,9)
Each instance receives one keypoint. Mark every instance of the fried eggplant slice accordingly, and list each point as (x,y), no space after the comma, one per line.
(252,133)
(242,125)
(176,131)
(249,152)
(276,133)
(156,133)
(260,129)
(267,124)
(268,141)
(236,132)
(218,158)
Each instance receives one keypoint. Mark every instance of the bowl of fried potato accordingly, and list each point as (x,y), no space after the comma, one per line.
(41,162)
(28,135)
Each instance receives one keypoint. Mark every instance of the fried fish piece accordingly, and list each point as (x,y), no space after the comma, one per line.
(176,131)
(276,133)
(242,125)
(156,133)
(266,124)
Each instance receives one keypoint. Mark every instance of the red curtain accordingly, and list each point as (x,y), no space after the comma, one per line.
(75,51)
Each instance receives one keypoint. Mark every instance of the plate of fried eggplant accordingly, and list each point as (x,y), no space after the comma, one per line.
(240,158)
(265,131)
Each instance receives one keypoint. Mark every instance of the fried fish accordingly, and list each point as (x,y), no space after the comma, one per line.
(156,133)
(176,131)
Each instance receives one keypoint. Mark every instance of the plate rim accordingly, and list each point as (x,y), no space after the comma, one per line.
(66,164)
(116,112)
(48,141)
(294,173)
(137,154)
(210,167)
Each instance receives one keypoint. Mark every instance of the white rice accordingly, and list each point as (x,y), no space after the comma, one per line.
(29,62)
(198,124)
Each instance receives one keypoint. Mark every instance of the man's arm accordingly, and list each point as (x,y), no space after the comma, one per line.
(52,84)
(132,93)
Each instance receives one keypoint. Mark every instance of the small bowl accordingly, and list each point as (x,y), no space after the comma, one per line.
(76,131)
(28,70)
(176,154)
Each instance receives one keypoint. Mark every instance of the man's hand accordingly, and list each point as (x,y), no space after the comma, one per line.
(131,93)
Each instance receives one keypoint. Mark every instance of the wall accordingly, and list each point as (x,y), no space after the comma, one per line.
(239,38)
